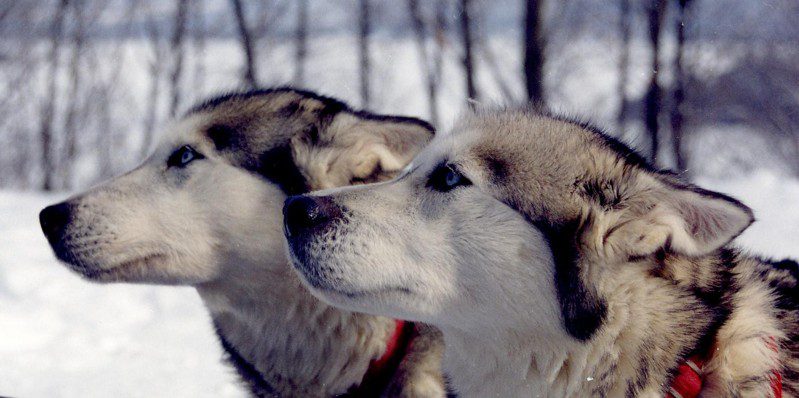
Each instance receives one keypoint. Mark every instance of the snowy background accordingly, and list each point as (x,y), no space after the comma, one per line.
(109,86)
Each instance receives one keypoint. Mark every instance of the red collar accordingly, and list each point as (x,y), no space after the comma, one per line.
(382,369)
(688,381)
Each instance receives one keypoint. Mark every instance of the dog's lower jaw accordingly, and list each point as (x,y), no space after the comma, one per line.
(299,345)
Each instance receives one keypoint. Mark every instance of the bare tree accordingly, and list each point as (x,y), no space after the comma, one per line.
(431,79)
(302,42)
(49,107)
(679,89)
(653,99)
(625,19)
(494,67)
(245,37)
(199,48)
(156,66)
(440,39)
(109,138)
(534,47)
(364,22)
(466,37)
(178,53)
(75,82)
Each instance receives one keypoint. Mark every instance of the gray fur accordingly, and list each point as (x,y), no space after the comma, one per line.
(559,264)
(215,224)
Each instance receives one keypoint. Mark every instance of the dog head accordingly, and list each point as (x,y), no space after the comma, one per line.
(508,202)
(207,202)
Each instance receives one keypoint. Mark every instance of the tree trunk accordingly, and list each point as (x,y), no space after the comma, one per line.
(70,124)
(424,59)
(198,85)
(653,99)
(534,46)
(245,37)
(153,97)
(466,36)
(679,90)
(105,141)
(624,63)
(495,69)
(178,52)
(302,42)
(108,137)
(440,40)
(49,107)
(363,48)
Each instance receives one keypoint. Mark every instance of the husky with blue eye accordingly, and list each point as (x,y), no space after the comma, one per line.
(557,263)
(205,210)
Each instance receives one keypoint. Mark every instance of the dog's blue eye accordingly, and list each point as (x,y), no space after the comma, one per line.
(186,157)
(183,156)
(452,179)
(445,177)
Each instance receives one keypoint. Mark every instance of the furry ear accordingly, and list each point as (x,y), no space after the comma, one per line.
(386,145)
(683,218)
(360,148)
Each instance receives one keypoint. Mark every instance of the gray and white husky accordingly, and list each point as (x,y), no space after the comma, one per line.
(205,210)
(557,263)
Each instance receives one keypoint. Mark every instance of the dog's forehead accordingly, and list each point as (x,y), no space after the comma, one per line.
(185,131)
(532,142)
(541,165)
(452,147)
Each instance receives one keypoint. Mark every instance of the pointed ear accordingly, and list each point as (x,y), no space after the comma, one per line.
(677,216)
(386,145)
(361,148)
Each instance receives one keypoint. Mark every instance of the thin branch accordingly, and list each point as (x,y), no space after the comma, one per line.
(245,38)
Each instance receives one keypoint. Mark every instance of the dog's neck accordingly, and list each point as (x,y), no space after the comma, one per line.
(634,351)
(298,345)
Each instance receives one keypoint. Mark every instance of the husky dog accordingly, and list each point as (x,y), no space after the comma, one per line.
(205,210)
(557,263)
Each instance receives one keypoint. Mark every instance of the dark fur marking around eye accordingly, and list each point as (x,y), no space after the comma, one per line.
(277,165)
(498,167)
(437,180)
(222,136)
(582,309)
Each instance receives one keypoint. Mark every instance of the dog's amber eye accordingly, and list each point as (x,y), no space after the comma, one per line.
(445,178)
(183,156)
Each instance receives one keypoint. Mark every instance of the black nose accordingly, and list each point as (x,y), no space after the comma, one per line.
(54,220)
(301,213)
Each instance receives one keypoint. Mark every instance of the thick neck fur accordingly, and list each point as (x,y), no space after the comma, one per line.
(653,323)
(299,345)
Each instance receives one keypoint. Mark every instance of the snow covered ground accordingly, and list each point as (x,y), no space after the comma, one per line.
(63,337)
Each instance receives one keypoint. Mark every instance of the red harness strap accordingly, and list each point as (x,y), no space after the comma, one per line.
(381,369)
(688,382)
